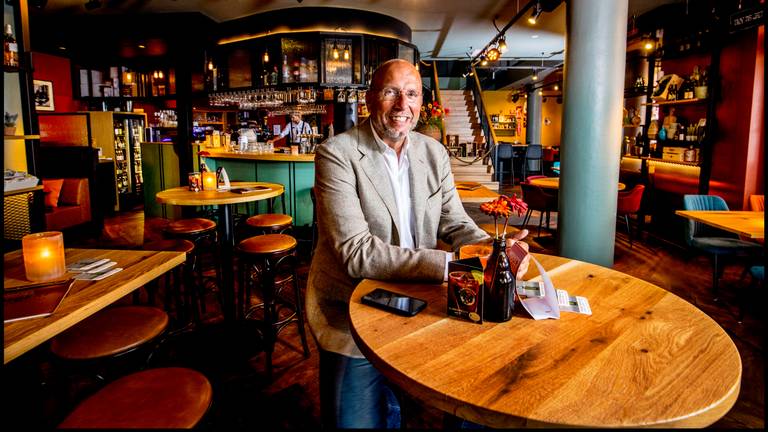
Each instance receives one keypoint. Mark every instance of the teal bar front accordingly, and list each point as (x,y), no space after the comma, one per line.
(295,172)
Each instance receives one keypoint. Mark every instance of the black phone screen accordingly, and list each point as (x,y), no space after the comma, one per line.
(398,303)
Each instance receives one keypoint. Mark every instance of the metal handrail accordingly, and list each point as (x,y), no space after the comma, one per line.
(439,100)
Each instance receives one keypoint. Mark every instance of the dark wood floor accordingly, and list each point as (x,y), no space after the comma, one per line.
(246,398)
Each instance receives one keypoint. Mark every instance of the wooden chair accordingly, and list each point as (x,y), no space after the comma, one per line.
(270,223)
(540,200)
(269,262)
(162,398)
(757,202)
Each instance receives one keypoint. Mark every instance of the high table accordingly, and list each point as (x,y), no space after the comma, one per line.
(644,358)
(224,200)
(749,224)
(554,183)
(85,297)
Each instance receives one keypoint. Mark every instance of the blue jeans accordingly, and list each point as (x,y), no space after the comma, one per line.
(353,394)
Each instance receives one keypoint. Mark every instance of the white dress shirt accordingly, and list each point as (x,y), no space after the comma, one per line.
(294,130)
(397,171)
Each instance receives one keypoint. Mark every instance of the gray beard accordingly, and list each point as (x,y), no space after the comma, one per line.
(388,133)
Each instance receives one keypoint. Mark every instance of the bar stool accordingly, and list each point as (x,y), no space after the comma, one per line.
(108,344)
(179,285)
(162,398)
(270,223)
(269,260)
(202,232)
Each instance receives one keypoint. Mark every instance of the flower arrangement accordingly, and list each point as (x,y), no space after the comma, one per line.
(503,207)
(432,115)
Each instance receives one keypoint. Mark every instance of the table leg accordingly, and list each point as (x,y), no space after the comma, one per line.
(227,250)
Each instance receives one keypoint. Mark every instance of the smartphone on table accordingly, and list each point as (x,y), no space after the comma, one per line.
(400,304)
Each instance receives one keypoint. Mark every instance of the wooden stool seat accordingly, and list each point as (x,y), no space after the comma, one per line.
(190,226)
(170,245)
(270,221)
(267,244)
(163,398)
(109,332)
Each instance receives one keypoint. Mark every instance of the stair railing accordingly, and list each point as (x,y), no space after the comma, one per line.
(485,121)
(439,100)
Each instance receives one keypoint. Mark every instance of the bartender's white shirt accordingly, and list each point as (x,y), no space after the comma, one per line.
(294,130)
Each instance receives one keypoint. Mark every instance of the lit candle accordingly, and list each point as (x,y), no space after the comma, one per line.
(43,255)
(209,180)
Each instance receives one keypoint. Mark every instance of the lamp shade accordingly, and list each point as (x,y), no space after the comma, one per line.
(43,254)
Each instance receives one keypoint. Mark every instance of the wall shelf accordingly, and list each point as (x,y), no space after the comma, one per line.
(676,102)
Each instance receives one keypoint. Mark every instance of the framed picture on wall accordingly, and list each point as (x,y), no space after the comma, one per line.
(43,95)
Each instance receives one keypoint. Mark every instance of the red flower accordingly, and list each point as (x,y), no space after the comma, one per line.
(503,207)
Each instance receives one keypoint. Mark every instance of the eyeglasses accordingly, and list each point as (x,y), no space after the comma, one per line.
(390,94)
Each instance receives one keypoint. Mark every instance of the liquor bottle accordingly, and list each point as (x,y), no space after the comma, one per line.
(10,48)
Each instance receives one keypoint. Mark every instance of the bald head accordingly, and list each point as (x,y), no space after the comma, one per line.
(394,101)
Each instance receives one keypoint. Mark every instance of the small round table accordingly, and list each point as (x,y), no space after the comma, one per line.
(224,200)
(554,183)
(644,358)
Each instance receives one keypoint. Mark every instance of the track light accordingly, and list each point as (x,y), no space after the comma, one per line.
(265,57)
(335,52)
(493,54)
(534,77)
(557,87)
(346,52)
(535,13)
(210,65)
(483,60)
(502,44)
(160,74)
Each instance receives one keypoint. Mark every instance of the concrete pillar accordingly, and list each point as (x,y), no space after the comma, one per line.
(593,86)
(533,126)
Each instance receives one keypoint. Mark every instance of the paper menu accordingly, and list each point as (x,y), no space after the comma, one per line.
(546,306)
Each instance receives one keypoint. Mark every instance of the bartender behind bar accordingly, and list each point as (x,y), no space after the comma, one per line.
(294,129)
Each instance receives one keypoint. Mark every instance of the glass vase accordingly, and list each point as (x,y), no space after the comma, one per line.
(499,285)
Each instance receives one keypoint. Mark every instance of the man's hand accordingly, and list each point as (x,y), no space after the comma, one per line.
(519,236)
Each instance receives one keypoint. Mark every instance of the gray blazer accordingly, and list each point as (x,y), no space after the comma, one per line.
(358,226)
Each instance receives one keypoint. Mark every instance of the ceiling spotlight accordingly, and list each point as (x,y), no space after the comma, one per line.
(541,93)
(502,44)
(210,65)
(535,13)
(493,54)
(483,61)
(534,77)
(160,74)
(346,52)
(335,52)
(557,87)
(92,4)
(265,57)
(648,45)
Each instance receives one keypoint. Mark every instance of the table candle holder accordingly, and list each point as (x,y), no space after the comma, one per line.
(209,181)
(43,256)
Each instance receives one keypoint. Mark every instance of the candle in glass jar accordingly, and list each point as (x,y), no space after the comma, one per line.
(209,180)
(43,255)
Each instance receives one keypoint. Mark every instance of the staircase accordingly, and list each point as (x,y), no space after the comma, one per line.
(462,121)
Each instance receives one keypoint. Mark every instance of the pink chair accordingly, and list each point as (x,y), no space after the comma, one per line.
(529,178)
(629,203)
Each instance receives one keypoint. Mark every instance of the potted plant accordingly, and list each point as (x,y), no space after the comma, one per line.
(431,120)
(9,122)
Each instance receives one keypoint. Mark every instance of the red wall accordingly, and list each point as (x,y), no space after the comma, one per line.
(58,70)
(731,171)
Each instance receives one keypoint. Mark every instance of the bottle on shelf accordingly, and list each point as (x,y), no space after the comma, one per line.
(10,48)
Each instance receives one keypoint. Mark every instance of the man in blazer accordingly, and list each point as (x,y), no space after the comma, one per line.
(385,195)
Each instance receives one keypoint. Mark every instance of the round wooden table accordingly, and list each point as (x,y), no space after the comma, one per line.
(644,358)
(224,200)
(554,183)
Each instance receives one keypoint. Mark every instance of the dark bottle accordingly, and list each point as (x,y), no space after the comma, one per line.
(499,285)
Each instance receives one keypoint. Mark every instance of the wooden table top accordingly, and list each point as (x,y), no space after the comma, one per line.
(554,183)
(479,195)
(746,223)
(183,196)
(85,297)
(645,357)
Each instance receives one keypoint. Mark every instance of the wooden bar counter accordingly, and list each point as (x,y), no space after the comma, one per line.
(295,172)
